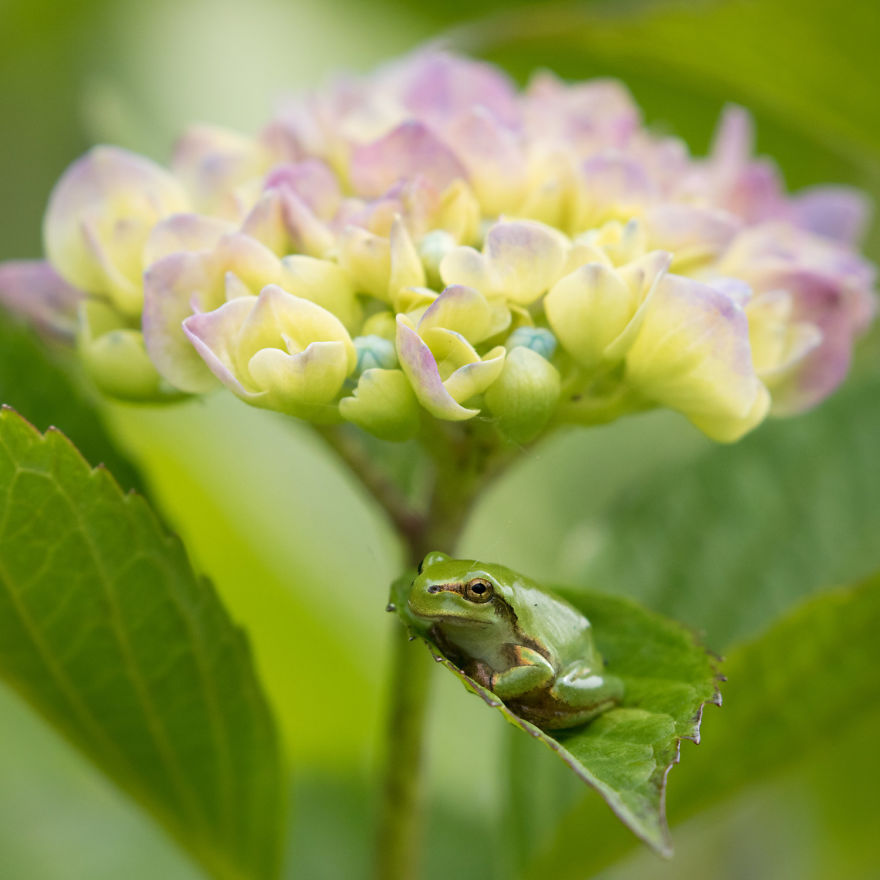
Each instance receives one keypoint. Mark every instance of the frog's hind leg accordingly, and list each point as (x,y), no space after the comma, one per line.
(530,671)
(581,687)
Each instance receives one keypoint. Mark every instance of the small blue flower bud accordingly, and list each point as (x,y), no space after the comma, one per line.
(538,339)
(374,352)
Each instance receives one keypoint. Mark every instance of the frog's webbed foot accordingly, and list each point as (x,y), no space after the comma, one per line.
(582,687)
(532,671)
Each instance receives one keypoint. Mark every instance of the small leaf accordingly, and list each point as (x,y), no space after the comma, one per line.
(626,753)
(107,632)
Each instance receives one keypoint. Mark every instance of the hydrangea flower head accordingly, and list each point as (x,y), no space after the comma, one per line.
(431,241)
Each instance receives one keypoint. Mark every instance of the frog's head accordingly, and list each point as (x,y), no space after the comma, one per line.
(449,591)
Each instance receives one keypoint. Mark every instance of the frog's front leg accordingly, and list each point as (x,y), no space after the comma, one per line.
(531,670)
(581,686)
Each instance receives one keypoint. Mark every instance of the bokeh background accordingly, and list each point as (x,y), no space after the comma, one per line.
(727,539)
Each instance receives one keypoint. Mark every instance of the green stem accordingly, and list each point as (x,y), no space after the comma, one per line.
(400,826)
(464,458)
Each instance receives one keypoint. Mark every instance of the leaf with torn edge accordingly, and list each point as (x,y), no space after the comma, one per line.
(626,753)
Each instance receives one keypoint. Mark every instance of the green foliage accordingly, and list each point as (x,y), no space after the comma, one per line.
(730,541)
(790,692)
(626,753)
(106,631)
(42,384)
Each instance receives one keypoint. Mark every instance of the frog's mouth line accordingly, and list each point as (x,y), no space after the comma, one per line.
(462,621)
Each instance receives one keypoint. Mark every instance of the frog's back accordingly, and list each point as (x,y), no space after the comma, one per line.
(562,628)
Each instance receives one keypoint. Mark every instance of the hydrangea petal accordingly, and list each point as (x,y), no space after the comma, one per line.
(35,291)
(213,334)
(367,258)
(312,181)
(526,258)
(214,163)
(406,266)
(474,378)
(308,378)
(441,86)
(838,313)
(587,310)
(494,158)
(692,354)
(325,283)
(99,216)
(462,310)
(384,404)
(840,213)
(184,232)
(277,314)
(408,150)
(420,367)
(612,186)
(181,283)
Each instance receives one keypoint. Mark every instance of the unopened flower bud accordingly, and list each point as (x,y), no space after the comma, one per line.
(525,395)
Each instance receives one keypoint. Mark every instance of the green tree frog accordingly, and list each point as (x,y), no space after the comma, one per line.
(531,648)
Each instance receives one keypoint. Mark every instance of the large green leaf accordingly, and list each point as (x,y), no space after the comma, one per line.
(729,542)
(790,692)
(627,752)
(106,631)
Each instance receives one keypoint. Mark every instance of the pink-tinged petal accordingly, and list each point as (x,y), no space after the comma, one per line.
(439,86)
(213,336)
(214,163)
(183,283)
(692,234)
(840,312)
(526,258)
(757,193)
(169,288)
(692,354)
(36,292)
(284,223)
(462,310)
(99,216)
(308,234)
(410,149)
(840,213)
(184,232)
(466,266)
(734,140)
(612,186)
(421,369)
(312,181)
(494,158)
(588,116)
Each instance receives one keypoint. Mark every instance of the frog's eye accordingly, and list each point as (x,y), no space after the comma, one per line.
(478,590)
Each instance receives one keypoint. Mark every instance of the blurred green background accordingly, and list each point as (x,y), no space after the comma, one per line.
(727,539)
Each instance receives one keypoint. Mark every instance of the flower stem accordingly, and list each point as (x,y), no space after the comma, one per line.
(400,826)
(463,459)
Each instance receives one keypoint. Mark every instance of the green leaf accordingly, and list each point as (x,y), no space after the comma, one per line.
(40,383)
(627,752)
(107,632)
(790,692)
(729,542)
